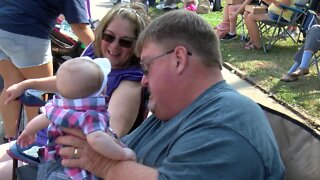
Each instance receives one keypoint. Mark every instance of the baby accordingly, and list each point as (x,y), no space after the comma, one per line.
(81,83)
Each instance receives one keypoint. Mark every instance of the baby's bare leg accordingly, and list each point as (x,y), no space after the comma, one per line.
(108,146)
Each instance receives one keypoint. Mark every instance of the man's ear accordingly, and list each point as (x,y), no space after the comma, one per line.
(181,59)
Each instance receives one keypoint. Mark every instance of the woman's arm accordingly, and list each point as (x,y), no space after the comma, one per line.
(43,84)
(84,32)
(124,107)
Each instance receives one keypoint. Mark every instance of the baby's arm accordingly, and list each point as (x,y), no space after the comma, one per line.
(43,84)
(28,135)
(106,145)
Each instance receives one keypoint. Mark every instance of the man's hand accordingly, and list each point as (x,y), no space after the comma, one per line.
(87,158)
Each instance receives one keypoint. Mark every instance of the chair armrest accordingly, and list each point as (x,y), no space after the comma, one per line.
(291,8)
(35,98)
(27,155)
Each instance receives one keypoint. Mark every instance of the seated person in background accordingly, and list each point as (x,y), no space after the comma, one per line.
(273,13)
(230,15)
(190,5)
(304,54)
(80,103)
(197,130)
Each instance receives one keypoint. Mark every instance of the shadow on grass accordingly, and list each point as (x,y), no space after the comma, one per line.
(265,69)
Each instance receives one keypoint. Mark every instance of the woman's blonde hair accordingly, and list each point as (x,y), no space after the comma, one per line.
(134,12)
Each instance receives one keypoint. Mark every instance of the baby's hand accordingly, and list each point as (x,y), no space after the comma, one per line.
(26,139)
(130,155)
(13,92)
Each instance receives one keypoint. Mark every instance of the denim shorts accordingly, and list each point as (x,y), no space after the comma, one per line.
(24,51)
(52,170)
(274,16)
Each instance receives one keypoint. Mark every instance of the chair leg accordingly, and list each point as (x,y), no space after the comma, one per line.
(275,37)
(14,168)
(240,24)
(317,66)
(314,61)
(19,128)
(271,40)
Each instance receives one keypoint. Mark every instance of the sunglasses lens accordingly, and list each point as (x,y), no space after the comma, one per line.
(109,38)
(125,43)
(122,42)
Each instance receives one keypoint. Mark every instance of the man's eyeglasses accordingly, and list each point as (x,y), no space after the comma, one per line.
(126,43)
(145,68)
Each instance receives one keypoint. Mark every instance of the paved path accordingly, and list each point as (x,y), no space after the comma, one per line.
(255,94)
(99,8)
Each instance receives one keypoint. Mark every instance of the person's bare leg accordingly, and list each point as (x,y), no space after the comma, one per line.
(44,70)
(10,112)
(246,21)
(233,21)
(6,169)
(12,75)
(3,153)
(251,23)
(6,162)
(225,16)
(254,30)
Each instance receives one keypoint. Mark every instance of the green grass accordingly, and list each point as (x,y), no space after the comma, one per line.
(266,69)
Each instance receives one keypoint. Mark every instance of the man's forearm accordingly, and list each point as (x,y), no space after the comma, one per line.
(131,170)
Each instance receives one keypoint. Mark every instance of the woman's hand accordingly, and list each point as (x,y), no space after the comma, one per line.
(78,153)
(13,92)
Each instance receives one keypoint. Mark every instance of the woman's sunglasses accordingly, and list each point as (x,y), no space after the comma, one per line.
(122,42)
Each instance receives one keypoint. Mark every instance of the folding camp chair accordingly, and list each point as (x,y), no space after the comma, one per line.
(315,61)
(240,25)
(299,145)
(278,28)
(32,98)
(63,46)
